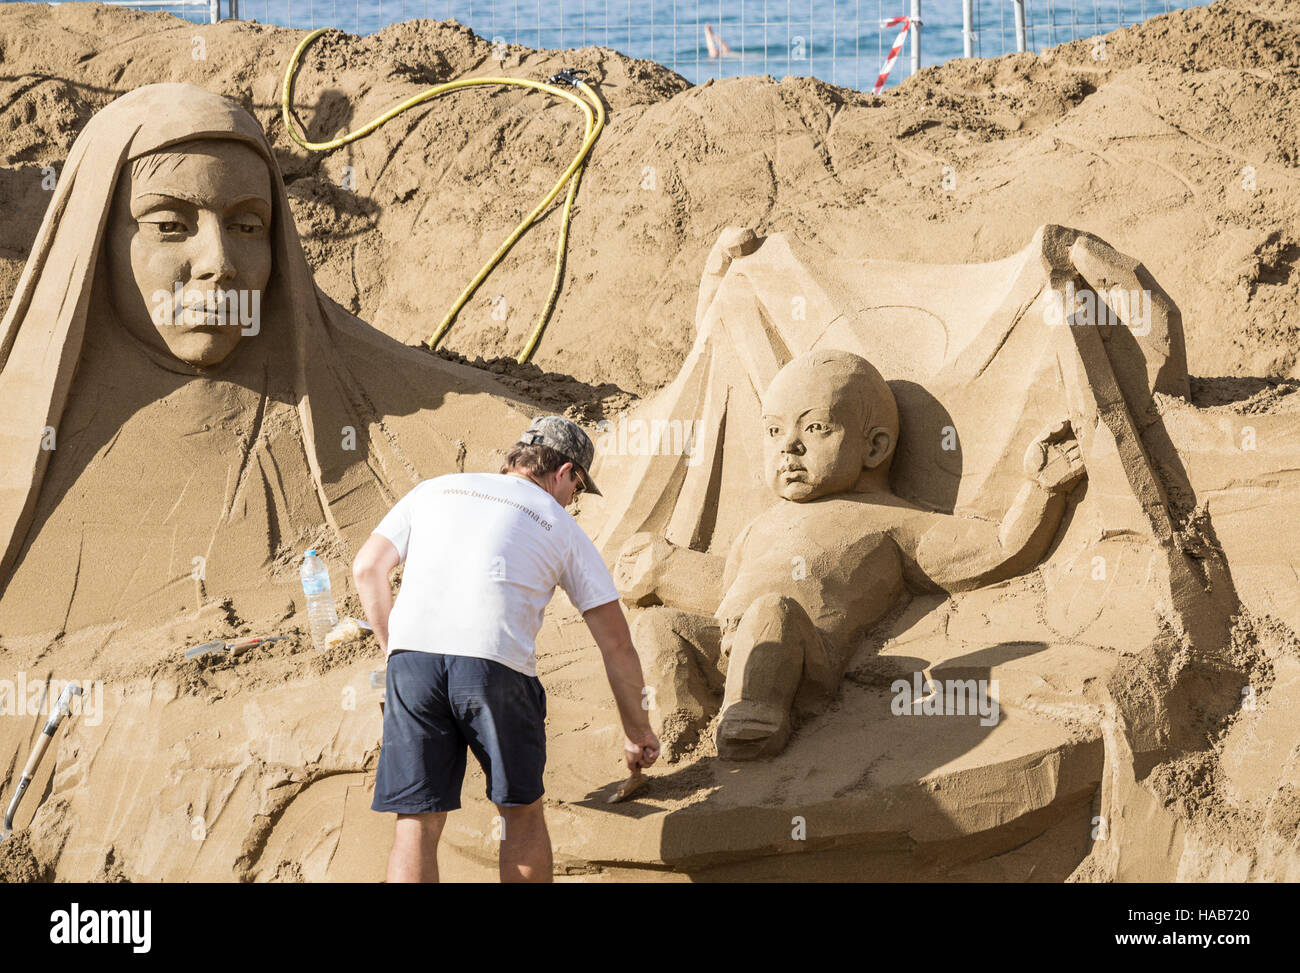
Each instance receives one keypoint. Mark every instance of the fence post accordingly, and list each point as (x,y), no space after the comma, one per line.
(1020,24)
(916,36)
(967,28)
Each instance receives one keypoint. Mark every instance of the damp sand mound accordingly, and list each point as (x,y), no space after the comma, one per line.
(1177,141)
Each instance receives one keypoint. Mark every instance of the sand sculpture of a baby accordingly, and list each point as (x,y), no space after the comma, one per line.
(774,625)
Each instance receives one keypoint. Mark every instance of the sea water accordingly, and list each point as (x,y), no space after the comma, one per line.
(838,41)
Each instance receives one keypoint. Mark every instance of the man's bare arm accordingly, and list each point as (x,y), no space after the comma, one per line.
(370,570)
(623,668)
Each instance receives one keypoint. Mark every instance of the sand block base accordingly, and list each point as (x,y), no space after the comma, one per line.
(861,792)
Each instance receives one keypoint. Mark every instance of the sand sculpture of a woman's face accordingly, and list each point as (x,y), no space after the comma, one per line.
(189,248)
(167,344)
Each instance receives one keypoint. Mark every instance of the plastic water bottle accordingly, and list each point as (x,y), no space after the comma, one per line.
(321,613)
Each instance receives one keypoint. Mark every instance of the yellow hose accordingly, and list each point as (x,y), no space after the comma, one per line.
(595,123)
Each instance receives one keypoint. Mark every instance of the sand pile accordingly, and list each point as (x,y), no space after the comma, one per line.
(1178,147)
(1149,147)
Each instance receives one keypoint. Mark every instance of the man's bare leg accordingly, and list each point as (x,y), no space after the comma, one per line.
(525,844)
(414,857)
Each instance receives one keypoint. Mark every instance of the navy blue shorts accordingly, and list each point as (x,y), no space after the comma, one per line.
(437,705)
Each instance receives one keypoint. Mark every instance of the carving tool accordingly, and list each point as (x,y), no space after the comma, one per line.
(235,649)
(42,744)
(629,787)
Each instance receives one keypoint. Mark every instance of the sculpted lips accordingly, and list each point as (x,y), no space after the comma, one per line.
(213,311)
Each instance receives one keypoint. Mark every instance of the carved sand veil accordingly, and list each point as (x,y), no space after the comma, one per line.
(317,422)
(972,352)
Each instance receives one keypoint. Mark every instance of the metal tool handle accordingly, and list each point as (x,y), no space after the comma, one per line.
(13,804)
(29,772)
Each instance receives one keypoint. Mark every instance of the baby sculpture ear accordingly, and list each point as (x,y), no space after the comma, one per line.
(880,445)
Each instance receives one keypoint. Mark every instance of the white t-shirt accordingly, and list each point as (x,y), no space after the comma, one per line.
(483,554)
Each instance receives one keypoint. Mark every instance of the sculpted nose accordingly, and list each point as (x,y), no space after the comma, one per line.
(212,258)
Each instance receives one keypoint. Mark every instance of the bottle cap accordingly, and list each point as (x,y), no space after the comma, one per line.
(311,552)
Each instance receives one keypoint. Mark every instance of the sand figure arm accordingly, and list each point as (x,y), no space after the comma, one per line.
(651,570)
(958,553)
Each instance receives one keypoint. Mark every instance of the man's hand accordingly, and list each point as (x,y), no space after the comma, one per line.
(639,567)
(642,752)
(1053,460)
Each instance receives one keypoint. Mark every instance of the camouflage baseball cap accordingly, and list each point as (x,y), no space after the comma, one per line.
(566,438)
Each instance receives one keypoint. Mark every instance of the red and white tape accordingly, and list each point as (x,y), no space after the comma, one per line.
(893,51)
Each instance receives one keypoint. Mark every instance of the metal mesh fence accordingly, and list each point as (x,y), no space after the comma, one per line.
(839,41)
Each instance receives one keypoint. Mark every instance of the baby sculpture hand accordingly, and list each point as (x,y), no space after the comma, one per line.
(637,571)
(1054,460)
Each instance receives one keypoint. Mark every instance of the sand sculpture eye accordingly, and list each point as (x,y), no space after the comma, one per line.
(165,224)
(248,225)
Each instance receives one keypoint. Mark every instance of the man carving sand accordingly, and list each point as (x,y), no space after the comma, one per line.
(483,553)
(775,624)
